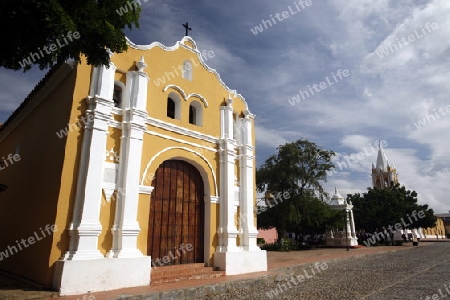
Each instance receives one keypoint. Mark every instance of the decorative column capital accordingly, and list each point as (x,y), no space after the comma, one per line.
(248,116)
(141,65)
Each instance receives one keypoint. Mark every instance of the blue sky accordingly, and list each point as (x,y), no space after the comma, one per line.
(396,53)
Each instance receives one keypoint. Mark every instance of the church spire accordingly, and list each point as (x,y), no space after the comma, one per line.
(382,160)
(384,174)
(337,199)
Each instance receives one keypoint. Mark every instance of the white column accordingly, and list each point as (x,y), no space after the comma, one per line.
(227,148)
(347,222)
(247,189)
(228,256)
(352,222)
(208,200)
(126,227)
(85,226)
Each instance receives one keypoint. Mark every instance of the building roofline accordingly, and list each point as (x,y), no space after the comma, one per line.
(184,43)
(57,70)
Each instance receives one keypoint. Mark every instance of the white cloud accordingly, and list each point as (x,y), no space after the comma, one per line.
(382,99)
(269,137)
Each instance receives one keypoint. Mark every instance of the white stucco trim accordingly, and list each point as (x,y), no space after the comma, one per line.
(145,189)
(126,227)
(169,127)
(214,199)
(181,130)
(181,141)
(186,97)
(200,169)
(85,226)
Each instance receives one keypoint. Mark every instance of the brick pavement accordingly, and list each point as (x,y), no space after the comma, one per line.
(278,262)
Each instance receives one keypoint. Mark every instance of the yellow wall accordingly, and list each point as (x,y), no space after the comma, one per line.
(160,63)
(34,182)
(72,158)
(163,65)
(438,229)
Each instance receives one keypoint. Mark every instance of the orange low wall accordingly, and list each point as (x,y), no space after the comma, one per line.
(269,235)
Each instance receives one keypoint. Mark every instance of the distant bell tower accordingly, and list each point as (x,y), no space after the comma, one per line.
(384,174)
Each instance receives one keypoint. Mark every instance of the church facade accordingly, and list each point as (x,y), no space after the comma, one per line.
(147,162)
(384,175)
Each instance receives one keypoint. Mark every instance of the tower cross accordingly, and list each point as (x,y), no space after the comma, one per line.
(187,28)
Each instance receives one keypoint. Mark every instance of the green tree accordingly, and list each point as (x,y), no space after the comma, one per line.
(42,33)
(311,215)
(297,169)
(381,208)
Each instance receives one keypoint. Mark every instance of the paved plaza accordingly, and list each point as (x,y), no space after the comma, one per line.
(382,272)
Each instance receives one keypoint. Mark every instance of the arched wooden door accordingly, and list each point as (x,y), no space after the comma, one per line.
(176,225)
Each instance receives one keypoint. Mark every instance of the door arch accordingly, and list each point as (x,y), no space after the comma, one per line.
(176,223)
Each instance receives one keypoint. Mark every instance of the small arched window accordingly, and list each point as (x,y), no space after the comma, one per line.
(235,126)
(187,70)
(196,113)
(192,114)
(170,108)
(117,95)
(173,106)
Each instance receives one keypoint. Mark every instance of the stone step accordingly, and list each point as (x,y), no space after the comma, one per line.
(183,272)
(158,269)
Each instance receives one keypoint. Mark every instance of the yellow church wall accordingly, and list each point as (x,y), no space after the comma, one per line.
(207,86)
(214,238)
(143,220)
(165,66)
(107,214)
(204,83)
(117,117)
(187,139)
(160,144)
(120,76)
(70,168)
(31,200)
(157,144)
(107,209)
(438,229)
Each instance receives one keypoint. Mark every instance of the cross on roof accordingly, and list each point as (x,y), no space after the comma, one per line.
(187,28)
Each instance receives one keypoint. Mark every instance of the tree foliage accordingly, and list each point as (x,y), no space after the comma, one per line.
(297,169)
(380,208)
(30,26)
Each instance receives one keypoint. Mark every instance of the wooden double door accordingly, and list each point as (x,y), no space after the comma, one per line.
(176,224)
